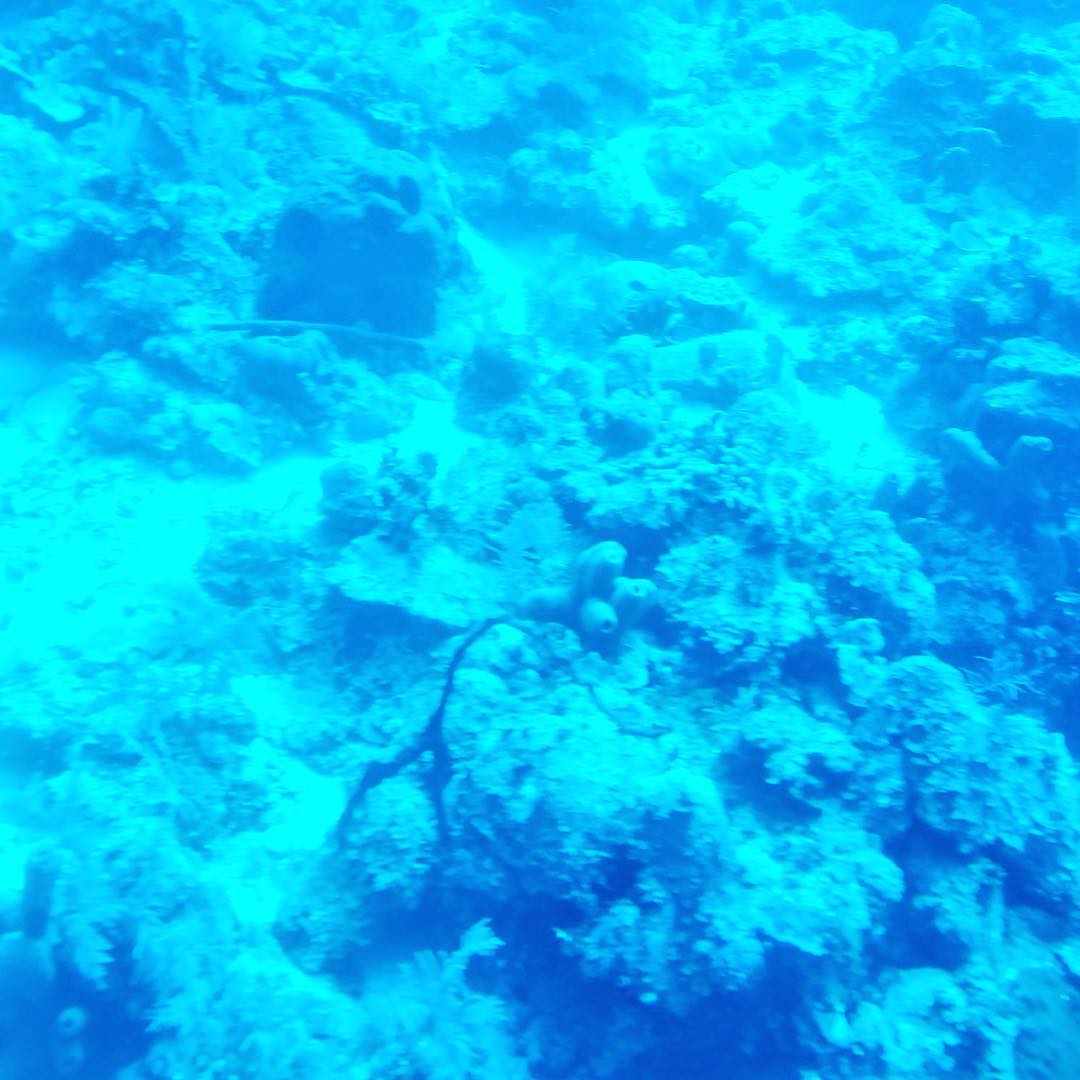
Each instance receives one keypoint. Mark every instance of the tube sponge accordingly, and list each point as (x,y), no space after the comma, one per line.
(600,603)
(597,618)
(632,598)
(598,567)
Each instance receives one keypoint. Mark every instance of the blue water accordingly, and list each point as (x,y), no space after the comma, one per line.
(540,540)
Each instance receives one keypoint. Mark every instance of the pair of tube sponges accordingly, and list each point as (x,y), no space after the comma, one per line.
(600,602)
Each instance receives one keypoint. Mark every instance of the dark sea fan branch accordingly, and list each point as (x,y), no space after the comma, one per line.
(430,739)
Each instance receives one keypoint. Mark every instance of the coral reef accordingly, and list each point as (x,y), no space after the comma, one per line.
(541,540)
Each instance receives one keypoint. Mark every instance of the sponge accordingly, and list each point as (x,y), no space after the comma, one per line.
(600,603)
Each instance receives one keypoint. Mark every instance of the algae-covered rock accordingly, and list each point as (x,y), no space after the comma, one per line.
(720,367)
(435,585)
(994,783)
(1034,388)
(732,603)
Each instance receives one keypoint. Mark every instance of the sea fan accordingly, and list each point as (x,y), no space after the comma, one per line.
(535,544)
